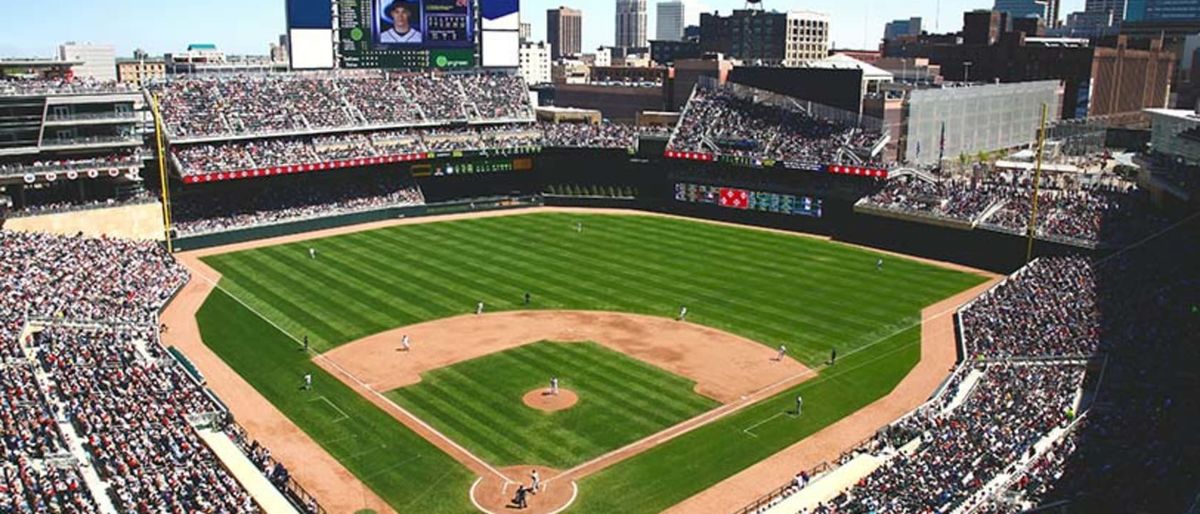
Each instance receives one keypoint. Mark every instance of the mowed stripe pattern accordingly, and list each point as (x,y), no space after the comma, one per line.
(478,403)
(777,289)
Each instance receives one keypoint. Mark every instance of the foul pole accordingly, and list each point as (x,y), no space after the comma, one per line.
(1037,179)
(162,173)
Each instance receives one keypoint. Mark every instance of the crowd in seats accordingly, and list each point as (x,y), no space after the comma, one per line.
(1110,210)
(253,104)
(1009,409)
(26,488)
(72,86)
(139,440)
(1050,309)
(722,121)
(274,470)
(121,160)
(605,135)
(202,158)
(276,203)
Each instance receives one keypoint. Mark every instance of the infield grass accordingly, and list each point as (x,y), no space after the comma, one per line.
(478,404)
(808,294)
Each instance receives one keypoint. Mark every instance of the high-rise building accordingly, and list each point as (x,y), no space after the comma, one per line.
(1117,7)
(535,64)
(897,28)
(631,24)
(99,61)
(771,38)
(670,21)
(1024,8)
(525,30)
(1162,10)
(564,32)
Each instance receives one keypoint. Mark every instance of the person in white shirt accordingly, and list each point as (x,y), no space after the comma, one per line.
(402,30)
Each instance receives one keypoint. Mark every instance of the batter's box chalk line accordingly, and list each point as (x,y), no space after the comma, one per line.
(749,430)
(343,416)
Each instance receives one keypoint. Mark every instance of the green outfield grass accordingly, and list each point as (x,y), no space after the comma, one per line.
(621,399)
(776,289)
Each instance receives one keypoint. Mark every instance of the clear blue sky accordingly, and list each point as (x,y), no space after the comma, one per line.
(36,27)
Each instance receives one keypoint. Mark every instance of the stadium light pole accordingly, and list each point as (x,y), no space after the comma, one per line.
(1037,179)
(162,173)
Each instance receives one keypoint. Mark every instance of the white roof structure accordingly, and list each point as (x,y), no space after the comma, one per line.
(845,62)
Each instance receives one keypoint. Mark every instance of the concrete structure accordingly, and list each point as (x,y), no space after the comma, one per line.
(873,77)
(99,61)
(631,24)
(686,73)
(670,20)
(666,52)
(1176,133)
(767,38)
(569,71)
(564,32)
(535,62)
(897,28)
(618,103)
(976,118)
(915,71)
(141,71)
(569,115)
(525,31)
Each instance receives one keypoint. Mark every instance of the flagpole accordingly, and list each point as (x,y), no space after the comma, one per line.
(1037,179)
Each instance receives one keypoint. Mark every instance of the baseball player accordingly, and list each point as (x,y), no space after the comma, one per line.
(682,313)
(579,227)
(782,352)
(404,343)
(528,297)
(832,356)
(306,342)
(308,381)
(479,308)
(879,265)
(312,253)
(537,481)
(799,404)
(554,386)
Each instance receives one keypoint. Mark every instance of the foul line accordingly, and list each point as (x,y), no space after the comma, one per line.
(360,383)
(748,429)
(335,407)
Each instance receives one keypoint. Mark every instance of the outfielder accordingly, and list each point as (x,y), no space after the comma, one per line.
(682,313)
(579,227)
(479,308)
(879,265)
(307,381)
(312,253)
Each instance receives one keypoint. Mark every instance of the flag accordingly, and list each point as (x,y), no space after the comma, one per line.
(735,198)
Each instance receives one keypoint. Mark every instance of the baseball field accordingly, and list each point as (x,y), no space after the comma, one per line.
(364,289)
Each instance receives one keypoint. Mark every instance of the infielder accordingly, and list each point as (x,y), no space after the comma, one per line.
(404,343)
(554,386)
(782,352)
(537,481)
(479,308)
(312,253)
(307,381)
(682,313)
(799,404)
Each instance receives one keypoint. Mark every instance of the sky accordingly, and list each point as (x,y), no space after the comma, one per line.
(35,28)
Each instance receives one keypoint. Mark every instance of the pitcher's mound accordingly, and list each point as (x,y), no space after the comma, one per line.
(542,400)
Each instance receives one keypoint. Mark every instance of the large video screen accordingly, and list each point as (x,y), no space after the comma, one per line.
(406,33)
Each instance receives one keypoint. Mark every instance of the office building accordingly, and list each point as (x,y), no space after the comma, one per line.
(897,28)
(141,70)
(99,62)
(1026,8)
(670,21)
(535,62)
(1162,10)
(768,38)
(525,30)
(1116,7)
(564,32)
(631,24)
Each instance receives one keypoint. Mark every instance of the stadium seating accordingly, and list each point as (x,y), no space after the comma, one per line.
(95,369)
(212,106)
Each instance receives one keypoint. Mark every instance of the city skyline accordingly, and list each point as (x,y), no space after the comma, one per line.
(239,27)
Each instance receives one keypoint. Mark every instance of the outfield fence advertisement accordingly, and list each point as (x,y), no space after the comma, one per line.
(745,199)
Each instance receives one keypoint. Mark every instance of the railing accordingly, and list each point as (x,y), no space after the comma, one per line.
(822,468)
(291,489)
(88,116)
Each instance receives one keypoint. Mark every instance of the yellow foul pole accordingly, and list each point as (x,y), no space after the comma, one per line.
(162,173)
(1037,179)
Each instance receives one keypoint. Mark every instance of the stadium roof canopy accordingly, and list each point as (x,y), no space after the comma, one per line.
(845,62)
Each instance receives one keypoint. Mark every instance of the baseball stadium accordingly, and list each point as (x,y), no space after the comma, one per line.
(391,288)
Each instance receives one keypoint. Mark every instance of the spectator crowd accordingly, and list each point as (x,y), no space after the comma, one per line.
(604,135)
(725,122)
(297,200)
(90,369)
(258,104)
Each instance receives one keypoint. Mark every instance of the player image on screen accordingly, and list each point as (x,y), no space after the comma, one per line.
(398,23)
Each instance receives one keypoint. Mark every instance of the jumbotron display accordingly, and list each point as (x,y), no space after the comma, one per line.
(406,33)
(737,198)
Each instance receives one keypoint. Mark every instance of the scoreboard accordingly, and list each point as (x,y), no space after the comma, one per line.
(406,33)
(749,200)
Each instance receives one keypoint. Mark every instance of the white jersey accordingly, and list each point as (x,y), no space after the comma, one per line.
(392,36)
